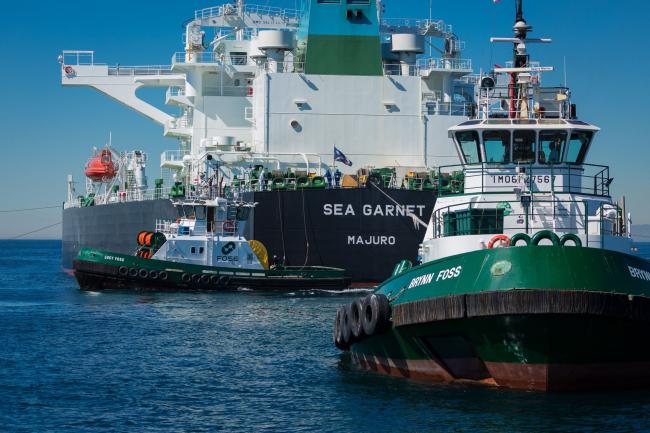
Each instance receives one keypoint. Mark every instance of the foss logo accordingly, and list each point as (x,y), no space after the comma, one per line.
(228,248)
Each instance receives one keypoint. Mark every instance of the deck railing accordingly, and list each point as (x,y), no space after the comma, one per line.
(486,178)
(561,216)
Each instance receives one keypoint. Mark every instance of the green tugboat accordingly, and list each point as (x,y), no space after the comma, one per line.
(204,249)
(528,276)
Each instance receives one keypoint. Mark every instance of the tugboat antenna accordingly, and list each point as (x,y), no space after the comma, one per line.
(520,11)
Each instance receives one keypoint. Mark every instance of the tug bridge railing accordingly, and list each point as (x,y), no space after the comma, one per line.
(580,217)
(486,178)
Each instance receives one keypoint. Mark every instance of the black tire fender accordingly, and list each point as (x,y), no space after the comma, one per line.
(186,278)
(143,273)
(376,314)
(223,281)
(338,331)
(346,331)
(214,280)
(162,275)
(196,278)
(356,319)
(123,271)
(153,274)
(133,272)
(204,279)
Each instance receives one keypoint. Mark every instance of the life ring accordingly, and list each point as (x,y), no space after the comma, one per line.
(228,227)
(497,238)
(123,271)
(571,237)
(376,314)
(546,234)
(186,278)
(356,323)
(520,237)
(68,70)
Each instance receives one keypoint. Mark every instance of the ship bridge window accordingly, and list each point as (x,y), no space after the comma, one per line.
(187,211)
(578,146)
(238,58)
(470,146)
(551,146)
(497,146)
(523,150)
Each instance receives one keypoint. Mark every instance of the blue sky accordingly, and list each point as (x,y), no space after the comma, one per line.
(48,131)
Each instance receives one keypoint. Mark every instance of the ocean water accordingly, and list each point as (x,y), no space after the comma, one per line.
(251,362)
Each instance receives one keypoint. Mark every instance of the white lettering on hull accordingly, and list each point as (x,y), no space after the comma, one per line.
(371,240)
(388,210)
(445,274)
(639,273)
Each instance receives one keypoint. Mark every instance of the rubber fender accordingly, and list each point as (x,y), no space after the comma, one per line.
(520,237)
(123,271)
(214,280)
(163,275)
(376,314)
(186,278)
(196,278)
(571,237)
(356,314)
(153,274)
(143,273)
(546,234)
(133,272)
(346,331)
(338,331)
(204,279)
(223,281)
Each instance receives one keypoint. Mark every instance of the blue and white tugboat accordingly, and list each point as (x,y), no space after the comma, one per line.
(203,249)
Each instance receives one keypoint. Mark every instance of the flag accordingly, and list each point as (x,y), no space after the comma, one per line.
(340,157)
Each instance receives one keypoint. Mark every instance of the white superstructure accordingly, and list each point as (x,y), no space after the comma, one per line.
(524,175)
(263,85)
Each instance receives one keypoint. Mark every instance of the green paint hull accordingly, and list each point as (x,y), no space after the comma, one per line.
(100,270)
(544,318)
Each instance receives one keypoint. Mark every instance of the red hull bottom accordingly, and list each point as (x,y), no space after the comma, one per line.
(536,377)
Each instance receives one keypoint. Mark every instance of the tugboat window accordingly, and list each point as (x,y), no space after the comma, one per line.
(470,146)
(551,147)
(193,250)
(497,146)
(578,146)
(200,212)
(524,147)
(188,211)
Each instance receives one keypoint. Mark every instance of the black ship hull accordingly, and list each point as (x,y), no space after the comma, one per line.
(364,231)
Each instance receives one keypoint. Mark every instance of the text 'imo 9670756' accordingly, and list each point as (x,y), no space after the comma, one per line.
(528,275)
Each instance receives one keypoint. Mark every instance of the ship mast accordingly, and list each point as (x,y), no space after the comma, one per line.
(521,68)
